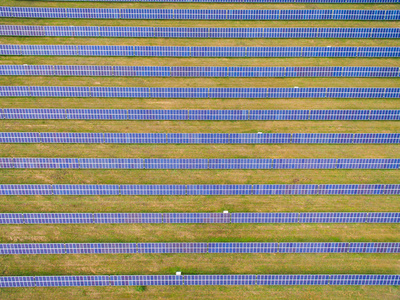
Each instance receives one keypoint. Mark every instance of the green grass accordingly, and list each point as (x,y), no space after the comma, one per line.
(207,292)
(155,233)
(298,203)
(195,263)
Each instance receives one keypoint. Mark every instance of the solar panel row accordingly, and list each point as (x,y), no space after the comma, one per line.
(197,14)
(126,248)
(158,92)
(178,51)
(199,32)
(214,115)
(188,218)
(197,163)
(200,189)
(146,280)
(151,71)
(199,138)
(247,1)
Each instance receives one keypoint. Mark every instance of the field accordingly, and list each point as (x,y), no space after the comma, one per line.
(13,265)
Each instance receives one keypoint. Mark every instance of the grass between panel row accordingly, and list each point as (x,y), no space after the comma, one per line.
(156,204)
(28,265)
(197,82)
(200,126)
(199,42)
(70,176)
(206,292)
(202,62)
(151,103)
(201,151)
(189,233)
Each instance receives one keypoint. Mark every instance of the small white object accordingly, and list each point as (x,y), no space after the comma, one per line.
(226,212)
(25,64)
(296,87)
(178,273)
(259,132)
(328,46)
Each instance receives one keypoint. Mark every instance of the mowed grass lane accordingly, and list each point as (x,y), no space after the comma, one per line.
(192,263)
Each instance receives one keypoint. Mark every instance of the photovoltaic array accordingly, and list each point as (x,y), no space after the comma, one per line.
(200,189)
(200,32)
(149,280)
(198,14)
(197,115)
(199,218)
(168,92)
(152,71)
(141,248)
(197,163)
(198,138)
(182,51)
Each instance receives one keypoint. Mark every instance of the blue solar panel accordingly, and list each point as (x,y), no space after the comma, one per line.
(100,248)
(26,113)
(170,51)
(156,114)
(88,189)
(58,218)
(11,218)
(242,247)
(265,217)
(115,218)
(17,281)
(304,163)
(175,163)
(293,279)
(20,137)
(25,189)
(383,217)
(196,218)
(7,163)
(220,279)
(285,189)
(32,249)
(144,280)
(198,138)
(222,189)
(313,247)
(99,280)
(46,163)
(111,163)
(96,114)
(339,217)
(255,163)
(172,247)
(153,189)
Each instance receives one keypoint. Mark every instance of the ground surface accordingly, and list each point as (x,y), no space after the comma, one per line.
(196,263)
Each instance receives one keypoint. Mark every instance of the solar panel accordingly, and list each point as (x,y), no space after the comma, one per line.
(313,247)
(171,51)
(145,280)
(32,249)
(100,248)
(88,189)
(58,218)
(17,281)
(242,247)
(196,218)
(93,280)
(172,247)
(293,279)
(153,189)
(197,14)
(114,218)
(220,279)
(175,163)
(222,189)
(265,217)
